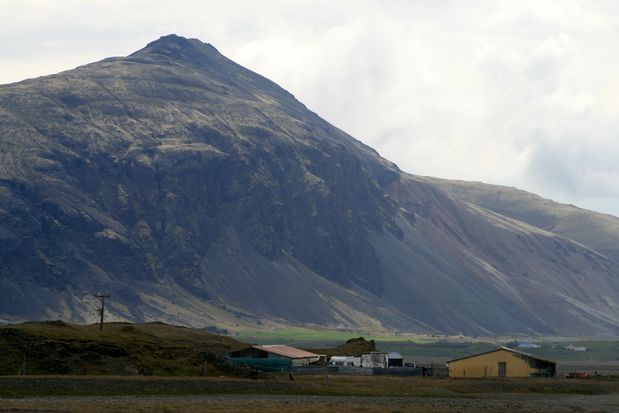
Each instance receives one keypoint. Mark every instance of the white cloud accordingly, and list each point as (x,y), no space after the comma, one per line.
(520,93)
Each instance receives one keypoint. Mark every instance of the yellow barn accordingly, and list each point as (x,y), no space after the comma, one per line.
(502,362)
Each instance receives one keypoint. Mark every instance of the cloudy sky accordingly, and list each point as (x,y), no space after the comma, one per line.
(520,93)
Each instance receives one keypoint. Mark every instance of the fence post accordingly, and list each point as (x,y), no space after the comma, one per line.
(326,373)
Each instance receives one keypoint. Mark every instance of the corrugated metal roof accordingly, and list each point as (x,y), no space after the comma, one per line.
(507,349)
(394,355)
(286,351)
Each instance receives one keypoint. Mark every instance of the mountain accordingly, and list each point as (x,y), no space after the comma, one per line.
(598,231)
(195,191)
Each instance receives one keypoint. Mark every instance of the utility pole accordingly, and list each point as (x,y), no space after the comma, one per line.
(102,297)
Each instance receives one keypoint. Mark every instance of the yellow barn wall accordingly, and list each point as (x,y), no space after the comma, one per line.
(487,365)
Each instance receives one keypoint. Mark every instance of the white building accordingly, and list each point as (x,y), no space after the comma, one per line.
(375,359)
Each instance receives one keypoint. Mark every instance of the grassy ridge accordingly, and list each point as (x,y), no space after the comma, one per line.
(121,348)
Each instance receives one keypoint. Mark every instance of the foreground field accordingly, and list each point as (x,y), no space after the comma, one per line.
(304,394)
(319,404)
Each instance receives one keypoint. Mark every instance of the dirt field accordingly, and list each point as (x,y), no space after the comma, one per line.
(301,403)
(304,394)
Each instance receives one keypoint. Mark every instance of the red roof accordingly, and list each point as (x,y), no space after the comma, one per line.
(286,351)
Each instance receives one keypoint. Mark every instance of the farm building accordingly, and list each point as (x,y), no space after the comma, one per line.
(395,359)
(375,359)
(502,362)
(273,355)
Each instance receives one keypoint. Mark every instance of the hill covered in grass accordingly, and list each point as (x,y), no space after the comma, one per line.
(55,347)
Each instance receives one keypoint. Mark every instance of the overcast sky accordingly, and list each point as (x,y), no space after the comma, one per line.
(520,93)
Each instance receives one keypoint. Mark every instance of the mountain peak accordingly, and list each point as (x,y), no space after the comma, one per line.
(174,40)
(178,48)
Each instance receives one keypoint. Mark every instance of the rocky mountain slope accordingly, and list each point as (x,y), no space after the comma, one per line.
(595,230)
(196,191)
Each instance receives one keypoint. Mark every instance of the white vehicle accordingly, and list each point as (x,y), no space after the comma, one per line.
(346,361)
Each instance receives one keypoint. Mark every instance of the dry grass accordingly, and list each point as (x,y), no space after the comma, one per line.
(345,386)
(304,394)
(298,404)
(121,348)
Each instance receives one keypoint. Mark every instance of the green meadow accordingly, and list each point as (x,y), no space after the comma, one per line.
(308,337)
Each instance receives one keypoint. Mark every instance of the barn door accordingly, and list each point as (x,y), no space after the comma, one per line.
(502,369)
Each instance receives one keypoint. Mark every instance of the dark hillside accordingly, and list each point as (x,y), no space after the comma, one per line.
(120,349)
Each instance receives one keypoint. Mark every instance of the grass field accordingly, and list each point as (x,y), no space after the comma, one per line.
(597,350)
(311,385)
(304,394)
(308,337)
(424,348)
